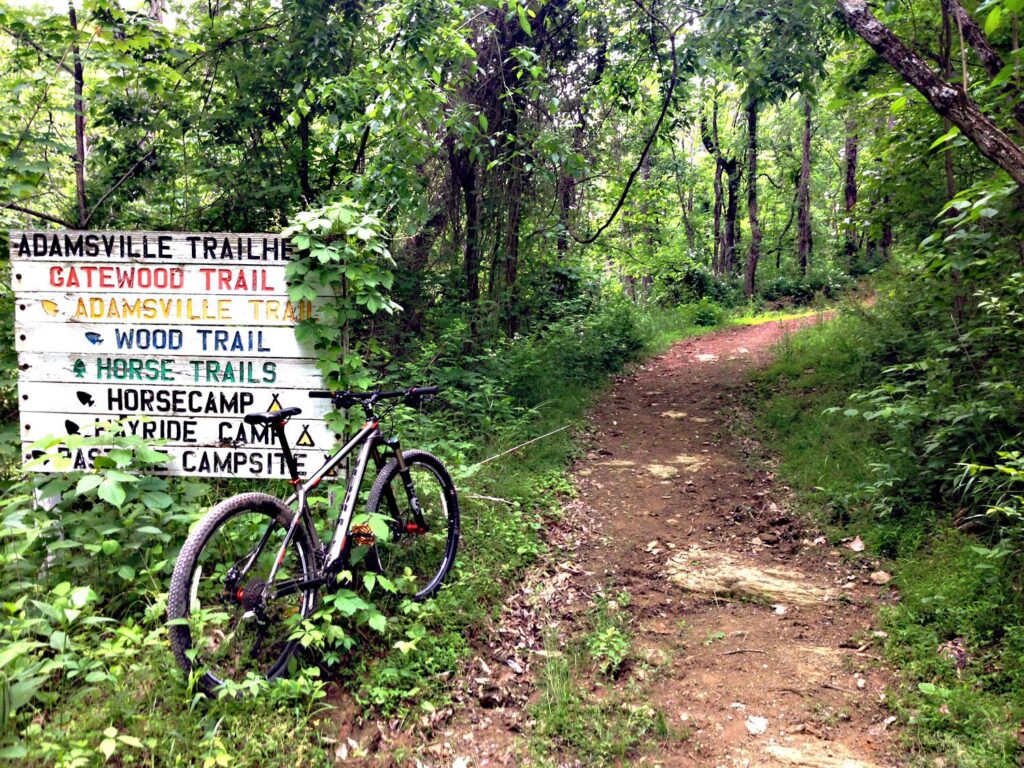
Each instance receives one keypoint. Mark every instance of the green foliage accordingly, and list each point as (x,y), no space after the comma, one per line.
(603,730)
(608,643)
(804,289)
(875,419)
(341,256)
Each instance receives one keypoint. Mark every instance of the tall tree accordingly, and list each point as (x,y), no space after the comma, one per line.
(804,237)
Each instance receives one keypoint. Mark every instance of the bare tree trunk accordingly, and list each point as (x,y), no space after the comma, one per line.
(514,199)
(464,174)
(718,256)
(946,62)
(754,253)
(732,203)
(850,244)
(725,237)
(79,107)
(945,98)
(804,238)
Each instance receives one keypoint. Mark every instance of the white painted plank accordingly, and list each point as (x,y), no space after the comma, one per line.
(222,431)
(163,340)
(149,247)
(264,464)
(153,279)
(148,370)
(134,308)
(86,398)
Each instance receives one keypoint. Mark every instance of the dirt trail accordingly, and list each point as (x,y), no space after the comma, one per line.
(752,635)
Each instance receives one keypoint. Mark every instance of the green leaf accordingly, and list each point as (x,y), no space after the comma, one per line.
(379,622)
(1014,6)
(899,105)
(111,492)
(87,483)
(524,20)
(992,21)
(108,747)
(952,133)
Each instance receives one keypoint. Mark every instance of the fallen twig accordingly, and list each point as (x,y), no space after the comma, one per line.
(832,687)
(481,497)
(742,650)
(522,445)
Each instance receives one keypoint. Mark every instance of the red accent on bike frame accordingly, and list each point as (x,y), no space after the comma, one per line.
(370,424)
(240,595)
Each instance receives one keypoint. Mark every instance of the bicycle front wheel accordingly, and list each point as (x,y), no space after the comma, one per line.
(422,510)
(224,621)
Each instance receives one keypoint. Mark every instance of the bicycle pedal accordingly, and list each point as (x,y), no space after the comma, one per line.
(362,536)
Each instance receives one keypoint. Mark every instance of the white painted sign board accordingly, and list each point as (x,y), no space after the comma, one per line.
(177,334)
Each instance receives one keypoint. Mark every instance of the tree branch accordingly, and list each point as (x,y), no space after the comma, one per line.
(946,99)
(42,51)
(127,175)
(37,214)
(987,54)
(666,102)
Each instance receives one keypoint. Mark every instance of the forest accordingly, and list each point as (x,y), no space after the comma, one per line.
(526,202)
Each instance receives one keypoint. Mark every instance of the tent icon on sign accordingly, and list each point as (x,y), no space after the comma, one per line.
(305,439)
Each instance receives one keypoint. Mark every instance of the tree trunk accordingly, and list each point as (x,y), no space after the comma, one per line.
(464,173)
(804,239)
(945,98)
(725,237)
(514,200)
(850,244)
(566,194)
(718,255)
(754,253)
(79,107)
(946,62)
(732,203)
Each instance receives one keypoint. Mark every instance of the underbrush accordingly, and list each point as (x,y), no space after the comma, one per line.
(85,670)
(581,711)
(876,433)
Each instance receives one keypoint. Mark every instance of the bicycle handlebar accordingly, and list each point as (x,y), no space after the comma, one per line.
(347,398)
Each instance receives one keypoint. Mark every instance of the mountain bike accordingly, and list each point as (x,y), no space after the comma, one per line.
(249,572)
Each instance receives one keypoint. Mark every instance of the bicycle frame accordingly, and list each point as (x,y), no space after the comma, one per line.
(368,437)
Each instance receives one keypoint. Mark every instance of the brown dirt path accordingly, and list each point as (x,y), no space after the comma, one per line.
(751,634)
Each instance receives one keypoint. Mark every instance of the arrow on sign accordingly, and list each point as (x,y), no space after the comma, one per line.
(94,338)
(85,398)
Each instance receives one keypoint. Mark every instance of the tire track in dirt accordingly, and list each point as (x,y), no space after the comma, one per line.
(752,635)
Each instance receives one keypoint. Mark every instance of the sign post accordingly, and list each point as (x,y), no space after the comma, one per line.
(178,334)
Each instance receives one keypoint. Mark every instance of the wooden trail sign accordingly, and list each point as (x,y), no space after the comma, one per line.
(176,335)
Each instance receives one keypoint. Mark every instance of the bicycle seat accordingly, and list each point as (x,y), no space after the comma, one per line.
(269,417)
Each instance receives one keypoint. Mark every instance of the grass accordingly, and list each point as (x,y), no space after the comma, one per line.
(581,711)
(953,594)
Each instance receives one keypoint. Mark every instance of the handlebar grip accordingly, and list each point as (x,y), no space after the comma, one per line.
(322,394)
(421,391)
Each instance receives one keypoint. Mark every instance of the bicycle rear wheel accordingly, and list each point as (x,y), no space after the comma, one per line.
(223,624)
(423,520)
